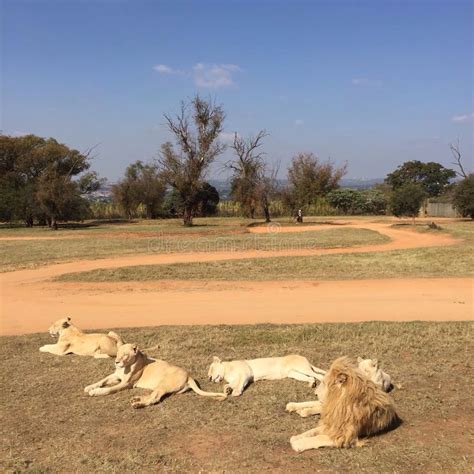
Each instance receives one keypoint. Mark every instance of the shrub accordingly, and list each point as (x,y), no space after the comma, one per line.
(463,199)
(351,201)
(406,200)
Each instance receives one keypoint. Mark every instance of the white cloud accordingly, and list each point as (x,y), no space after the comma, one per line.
(214,76)
(299,122)
(364,81)
(463,118)
(164,69)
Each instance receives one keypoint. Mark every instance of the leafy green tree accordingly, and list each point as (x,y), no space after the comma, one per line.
(309,178)
(43,180)
(208,198)
(433,177)
(352,201)
(173,205)
(348,201)
(141,185)
(196,130)
(375,202)
(406,200)
(463,199)
(207,201)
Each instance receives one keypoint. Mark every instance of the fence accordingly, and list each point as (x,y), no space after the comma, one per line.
(438,209)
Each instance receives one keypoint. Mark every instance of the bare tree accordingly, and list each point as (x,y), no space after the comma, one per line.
(247,171)
(267,188)
(456,151)
(196,129)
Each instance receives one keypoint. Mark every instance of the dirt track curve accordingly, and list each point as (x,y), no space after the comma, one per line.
(29,302)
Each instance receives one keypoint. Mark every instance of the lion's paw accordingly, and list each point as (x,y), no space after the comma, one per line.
(136,402)
(291,407)
(298,444)
(95,392)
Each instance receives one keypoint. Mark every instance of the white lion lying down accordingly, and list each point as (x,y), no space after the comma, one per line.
(135,369)
(240,373)
(71,340)
(351,407)
(369,367)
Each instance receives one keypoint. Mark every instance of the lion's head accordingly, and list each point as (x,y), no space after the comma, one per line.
(216,370)
(354,405)
(58,326)
(368,366)
(343,376)
(126,355)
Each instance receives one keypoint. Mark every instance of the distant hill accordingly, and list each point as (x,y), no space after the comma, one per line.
(354,183)
(360,183)
(223,187)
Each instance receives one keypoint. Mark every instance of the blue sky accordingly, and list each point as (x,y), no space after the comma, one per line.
(373,83)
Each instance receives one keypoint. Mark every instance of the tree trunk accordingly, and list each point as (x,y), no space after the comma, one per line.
(188,216)
(54,223)
(266,210)
(29,221)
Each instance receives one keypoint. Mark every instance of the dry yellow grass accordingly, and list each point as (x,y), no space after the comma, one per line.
(50,425)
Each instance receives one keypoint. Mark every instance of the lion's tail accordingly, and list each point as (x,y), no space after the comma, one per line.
(195,388)
(116,337)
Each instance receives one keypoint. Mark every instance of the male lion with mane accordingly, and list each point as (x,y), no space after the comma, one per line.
(370,367)
(133,368)
(351,407)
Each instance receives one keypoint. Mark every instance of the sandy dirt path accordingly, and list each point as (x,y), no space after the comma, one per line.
(29,302)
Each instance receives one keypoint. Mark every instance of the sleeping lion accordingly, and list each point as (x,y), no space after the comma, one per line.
(352,407)
(72,340)
(134,368)
(240,373)
(370,367)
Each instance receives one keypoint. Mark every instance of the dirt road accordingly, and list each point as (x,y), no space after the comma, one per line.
(29,302)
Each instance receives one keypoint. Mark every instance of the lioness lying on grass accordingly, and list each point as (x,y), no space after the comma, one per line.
(369,367)
(135,369)
(352,406)
(71,340)
(240,373)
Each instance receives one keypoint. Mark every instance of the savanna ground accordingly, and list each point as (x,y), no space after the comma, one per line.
(121,274)
(50,425)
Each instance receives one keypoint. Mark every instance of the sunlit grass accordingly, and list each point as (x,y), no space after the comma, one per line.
(449,261)
(50,425)
(29,253)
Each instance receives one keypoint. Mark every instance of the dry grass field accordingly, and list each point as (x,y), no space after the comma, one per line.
(50,425)
(450,261)
(30,248)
